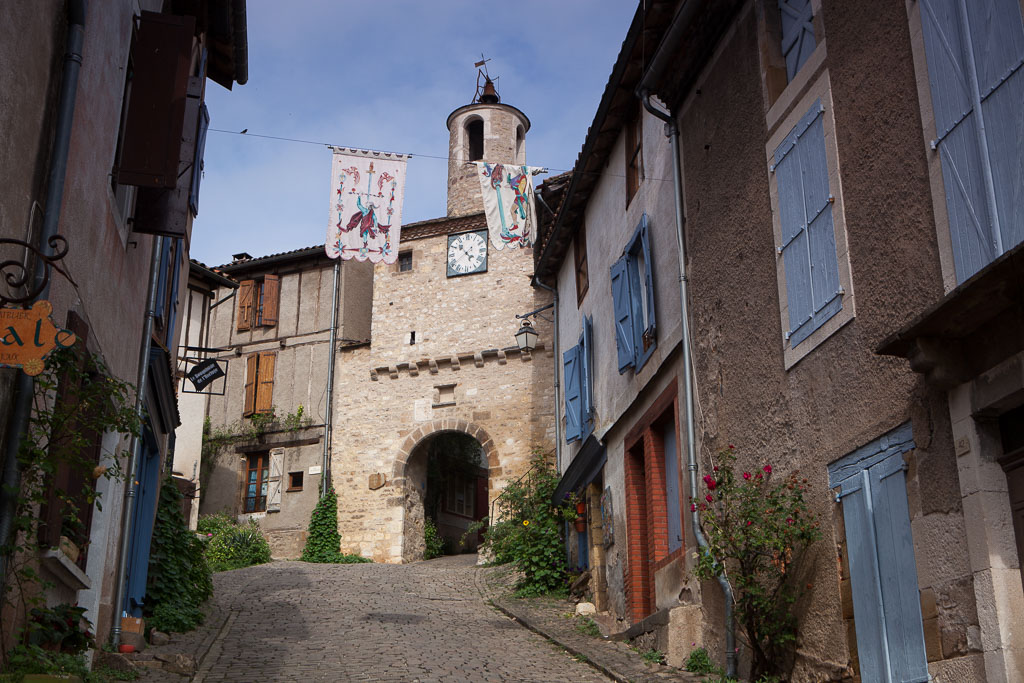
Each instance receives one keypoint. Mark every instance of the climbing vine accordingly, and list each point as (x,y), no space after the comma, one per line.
(324,543)
(179,577)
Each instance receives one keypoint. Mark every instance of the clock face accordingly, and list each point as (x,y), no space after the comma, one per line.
(467,253)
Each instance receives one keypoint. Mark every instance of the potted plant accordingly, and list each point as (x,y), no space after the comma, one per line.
(580,524)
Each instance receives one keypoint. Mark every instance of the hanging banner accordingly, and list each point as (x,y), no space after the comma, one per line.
(28,336)
(367,189)
(509,203)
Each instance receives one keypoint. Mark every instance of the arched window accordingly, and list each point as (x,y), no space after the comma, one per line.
(520,135)
(475,139)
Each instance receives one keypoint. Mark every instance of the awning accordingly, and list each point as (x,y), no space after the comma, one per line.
(583,469)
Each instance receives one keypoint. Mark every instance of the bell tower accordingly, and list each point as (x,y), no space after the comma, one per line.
(483,130)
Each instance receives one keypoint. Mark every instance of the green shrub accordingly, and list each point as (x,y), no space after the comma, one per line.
(588,627)
(236,546)
(179,577)
(434,542)
(211,524)
(699,662)
(323,544)
(529,534)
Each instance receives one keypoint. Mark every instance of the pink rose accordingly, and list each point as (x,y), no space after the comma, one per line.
(767,469)
(709,498)
(746,475)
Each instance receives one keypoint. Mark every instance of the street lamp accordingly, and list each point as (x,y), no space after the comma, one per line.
(526,337)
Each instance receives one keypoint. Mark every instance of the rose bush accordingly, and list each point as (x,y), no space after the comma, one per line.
(757,529)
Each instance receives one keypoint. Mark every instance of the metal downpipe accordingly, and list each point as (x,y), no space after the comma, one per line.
(672,132)
(325,475)
(24,385)
(128,513)
(558,422)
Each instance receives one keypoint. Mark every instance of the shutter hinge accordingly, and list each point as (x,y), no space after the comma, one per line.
(841,291)
(778,250)
(934,144)
(771,168)
(831,199)
(787,335)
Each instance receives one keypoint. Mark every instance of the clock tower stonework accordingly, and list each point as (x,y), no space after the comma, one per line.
(442,363)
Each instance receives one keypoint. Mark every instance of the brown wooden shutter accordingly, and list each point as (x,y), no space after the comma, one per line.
(251,364)
(271,297)
(162,59)
(265,389)
(245,308)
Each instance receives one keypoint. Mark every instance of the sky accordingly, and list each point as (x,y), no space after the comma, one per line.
(384,75)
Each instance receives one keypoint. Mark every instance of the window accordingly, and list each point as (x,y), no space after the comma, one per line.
(461,495)
(166,311)
(259,383)
(295,481)
(974,50)
(258,302)
(520,138)
(880,548)
(634,155)
(633,301)
(475,139)
(404,261)
(257,475)
(577,367)
(582,281)
(797,34)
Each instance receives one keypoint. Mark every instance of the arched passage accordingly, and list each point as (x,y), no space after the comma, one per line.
(444,470)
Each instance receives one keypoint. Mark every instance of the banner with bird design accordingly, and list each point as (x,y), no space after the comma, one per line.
(509,203)
(367,189)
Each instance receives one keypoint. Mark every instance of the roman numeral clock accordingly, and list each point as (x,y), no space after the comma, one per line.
(467,253)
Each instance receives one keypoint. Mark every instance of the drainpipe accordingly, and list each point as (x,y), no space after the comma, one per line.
(325,475)
(672,132)
(131,485)
(558,422)
(24,386)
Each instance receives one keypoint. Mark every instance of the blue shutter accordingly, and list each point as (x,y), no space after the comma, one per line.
(197,162)
(864,580)
(172,315)
(797,34)
(161,287)
(904,629)
(586,365)
(997,34)
(623,309)
(570,370)
(808,235)
(672,510)
(980,148)
(647,342)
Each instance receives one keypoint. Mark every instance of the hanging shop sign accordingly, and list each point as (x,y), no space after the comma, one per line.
(28,336)
(204,373)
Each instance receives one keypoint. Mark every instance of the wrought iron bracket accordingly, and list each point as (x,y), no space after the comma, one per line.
(17,276)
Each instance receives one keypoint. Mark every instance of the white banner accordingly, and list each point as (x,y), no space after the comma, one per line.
(509,203)
(367,189)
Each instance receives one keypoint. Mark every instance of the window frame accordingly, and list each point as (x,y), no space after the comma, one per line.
(635,345)
(292,486)
(634,154)
(404,257)
(259,400)
(819,89)
(580,262)
(263,466)
(251,312)
(581,357)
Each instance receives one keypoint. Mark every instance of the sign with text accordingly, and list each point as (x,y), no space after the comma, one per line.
(28,336)
(203,376)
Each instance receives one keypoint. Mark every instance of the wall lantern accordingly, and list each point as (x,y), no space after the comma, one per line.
(526,337)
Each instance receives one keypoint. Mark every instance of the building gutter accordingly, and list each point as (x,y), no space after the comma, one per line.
(24,387)
(240,37)
(558,421)
(131,485)
(682,19)
(325,474)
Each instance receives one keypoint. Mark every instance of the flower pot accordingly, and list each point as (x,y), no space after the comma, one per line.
(581,525)
(581,507)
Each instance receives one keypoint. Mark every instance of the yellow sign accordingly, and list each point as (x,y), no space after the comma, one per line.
(27,337)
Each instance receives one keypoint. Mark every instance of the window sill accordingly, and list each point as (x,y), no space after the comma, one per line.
(66,571)
(293,490)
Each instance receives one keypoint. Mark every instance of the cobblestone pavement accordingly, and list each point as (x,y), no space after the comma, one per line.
(428,621)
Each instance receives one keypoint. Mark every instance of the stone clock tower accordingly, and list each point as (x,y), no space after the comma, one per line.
(484,130)
(442,366)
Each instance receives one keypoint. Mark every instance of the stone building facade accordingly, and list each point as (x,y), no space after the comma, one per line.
(421,354)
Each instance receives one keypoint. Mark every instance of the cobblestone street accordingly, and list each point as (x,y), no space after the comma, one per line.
(292,621)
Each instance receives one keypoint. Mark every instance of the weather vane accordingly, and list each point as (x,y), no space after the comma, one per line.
(487,92)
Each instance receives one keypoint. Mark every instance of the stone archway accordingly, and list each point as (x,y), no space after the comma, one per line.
(410,476)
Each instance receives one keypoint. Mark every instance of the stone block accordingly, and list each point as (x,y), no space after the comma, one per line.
(932,640)
(685,633)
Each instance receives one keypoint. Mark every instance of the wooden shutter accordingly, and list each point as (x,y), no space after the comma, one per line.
(623,309)
(904,629)
(246,290)
(883,575)
(162,57)
(586,365)
(808,246)
(978,123)
(265,385)
(797,34)
(197,163)
(274,480)
(646,342)
(271,299)
(251,367)
(571,375)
